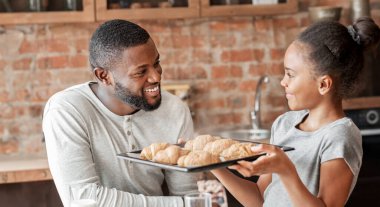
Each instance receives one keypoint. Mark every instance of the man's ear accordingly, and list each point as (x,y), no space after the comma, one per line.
(103,75)
(325,84)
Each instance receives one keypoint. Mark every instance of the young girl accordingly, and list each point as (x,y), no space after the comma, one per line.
(321,67)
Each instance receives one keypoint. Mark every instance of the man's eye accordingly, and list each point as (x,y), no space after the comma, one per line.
(140,73)
(157,64)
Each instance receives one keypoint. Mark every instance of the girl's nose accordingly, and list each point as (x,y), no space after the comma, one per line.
(283,82)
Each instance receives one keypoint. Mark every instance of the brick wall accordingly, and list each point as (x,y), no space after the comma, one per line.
(222,58)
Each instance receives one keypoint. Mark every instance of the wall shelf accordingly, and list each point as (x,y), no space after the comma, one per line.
(208,10)
(86,15)
(103,13)
(97,10)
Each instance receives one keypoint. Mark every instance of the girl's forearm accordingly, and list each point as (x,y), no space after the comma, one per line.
(298,193)
(245,191)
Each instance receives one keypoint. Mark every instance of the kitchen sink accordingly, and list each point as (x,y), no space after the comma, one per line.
(259,135)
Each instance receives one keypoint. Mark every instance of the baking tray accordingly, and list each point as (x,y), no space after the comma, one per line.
(134,156)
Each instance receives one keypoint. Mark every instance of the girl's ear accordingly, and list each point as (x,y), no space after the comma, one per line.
(325,84)
(103,75)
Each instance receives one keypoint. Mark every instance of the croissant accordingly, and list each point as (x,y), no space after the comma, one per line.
(199,142)
(238,150)
(149,152)
(197,158)
(170,155)
(217,146)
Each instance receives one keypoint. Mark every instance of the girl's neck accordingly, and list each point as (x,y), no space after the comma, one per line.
(322,115)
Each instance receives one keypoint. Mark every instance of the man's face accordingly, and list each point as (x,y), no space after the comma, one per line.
(137,77)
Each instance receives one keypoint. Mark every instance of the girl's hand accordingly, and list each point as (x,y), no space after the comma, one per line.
(275,161)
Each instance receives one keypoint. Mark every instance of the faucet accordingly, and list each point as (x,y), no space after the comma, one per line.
(255,114)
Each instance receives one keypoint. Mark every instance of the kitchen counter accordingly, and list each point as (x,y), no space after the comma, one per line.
(23,169)
(362,103)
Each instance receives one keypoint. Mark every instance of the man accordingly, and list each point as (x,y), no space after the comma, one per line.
(85,126)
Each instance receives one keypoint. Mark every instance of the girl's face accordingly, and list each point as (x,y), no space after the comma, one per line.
(301,86)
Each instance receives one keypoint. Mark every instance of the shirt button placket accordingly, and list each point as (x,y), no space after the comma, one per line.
(129,134)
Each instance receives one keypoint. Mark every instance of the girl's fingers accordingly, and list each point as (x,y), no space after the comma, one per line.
(245,172)
(181,141)
(246,164)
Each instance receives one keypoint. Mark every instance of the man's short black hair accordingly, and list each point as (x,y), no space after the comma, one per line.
(110,40)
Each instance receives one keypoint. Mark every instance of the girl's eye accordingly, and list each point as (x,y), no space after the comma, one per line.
(289,75)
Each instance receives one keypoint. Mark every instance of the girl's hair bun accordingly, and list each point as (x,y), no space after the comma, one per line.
(365,32)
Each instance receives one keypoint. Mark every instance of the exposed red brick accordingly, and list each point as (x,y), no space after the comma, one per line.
(199,41)
(237,55)
(169,73)
(22,64)
(163,42)
(12,112)
(276,69)
(9,147)
(181,41)
(79,61)
(224,85)
(201,56)
(237,101)
(28,47)
(4,96)
(243,24)
(36,110)
(201,87)
(42,94)
(258,55)
(219,72)
(3,79)
(228,118)
(178,56)
(210,104)
(258,70)
(191,73)
(219,26)
(57,45)
(288,22)
(224,40)
(158,28)
(248,85)
(81,45)
(22,94)
(263,25)
(72,77)
(2,64)
(21,80)
(52,62)
(277,53)
(236,71)
(41,78)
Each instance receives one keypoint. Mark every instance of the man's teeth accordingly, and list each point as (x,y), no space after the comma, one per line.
(152,90)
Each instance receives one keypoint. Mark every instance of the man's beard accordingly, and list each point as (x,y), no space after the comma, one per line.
(135,101)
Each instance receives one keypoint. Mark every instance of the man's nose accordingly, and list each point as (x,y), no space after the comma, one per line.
(154,75)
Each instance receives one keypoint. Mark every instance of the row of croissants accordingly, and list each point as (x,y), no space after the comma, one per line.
(203,150)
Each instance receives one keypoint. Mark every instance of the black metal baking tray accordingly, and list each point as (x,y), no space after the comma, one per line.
(134,156)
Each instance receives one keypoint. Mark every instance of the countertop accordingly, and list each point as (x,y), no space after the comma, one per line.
(23,169)
(362,103)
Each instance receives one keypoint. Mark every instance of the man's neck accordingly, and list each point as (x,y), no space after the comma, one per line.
(109,100)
